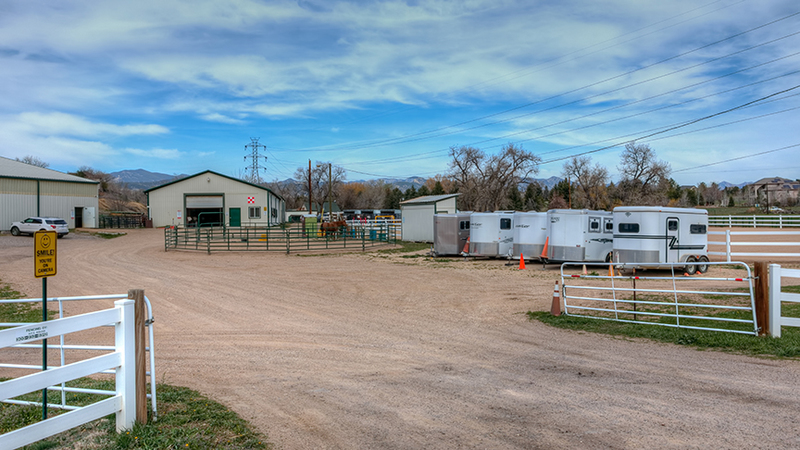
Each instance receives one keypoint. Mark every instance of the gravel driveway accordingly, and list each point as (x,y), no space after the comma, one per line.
(365,351)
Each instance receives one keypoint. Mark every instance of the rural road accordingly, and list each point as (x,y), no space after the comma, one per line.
(363,351)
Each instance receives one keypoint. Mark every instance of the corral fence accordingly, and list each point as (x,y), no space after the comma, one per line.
(755,221)
(122,220)
(777,297)
(119,359)
(277,239)
(764,246)
(663,295)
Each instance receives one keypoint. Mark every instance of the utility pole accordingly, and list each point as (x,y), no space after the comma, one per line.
(330,198)
(254,168)
(309,187)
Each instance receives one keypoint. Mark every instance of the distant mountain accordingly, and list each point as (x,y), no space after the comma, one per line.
(143,179)
(725,185)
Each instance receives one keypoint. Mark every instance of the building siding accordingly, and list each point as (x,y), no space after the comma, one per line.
(18,200)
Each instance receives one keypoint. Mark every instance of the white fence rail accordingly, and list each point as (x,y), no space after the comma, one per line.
(122,360)
(661,298)
(62,347)
(754,221)
(777,297)
(791,239)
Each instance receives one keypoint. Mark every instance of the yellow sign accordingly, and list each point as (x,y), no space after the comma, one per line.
(44,253)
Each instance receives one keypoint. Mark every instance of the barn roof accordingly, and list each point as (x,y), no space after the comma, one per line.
(10,168)
(428,199)
(217,174)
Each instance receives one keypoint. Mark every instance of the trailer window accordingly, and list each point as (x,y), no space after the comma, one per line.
(505,224)
(594,225)
(463,225)
(672,225)
(609,225)
(629,228)
(697,229)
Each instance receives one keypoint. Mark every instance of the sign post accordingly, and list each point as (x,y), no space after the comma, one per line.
(44,257)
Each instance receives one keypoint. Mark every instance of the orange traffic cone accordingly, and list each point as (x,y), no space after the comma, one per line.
(611,270)
(555,308)
(584,270)
(521,261)
(544,250)
(466,247)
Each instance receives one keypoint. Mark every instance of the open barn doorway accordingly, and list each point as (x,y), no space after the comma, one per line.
(204,210)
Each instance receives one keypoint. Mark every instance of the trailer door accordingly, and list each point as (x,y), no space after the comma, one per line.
(673,240)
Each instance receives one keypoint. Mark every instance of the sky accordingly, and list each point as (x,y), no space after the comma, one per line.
(384,89)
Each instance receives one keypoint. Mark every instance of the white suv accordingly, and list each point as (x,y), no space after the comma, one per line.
(33,224)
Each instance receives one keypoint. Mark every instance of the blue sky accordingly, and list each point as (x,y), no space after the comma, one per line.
(384,88)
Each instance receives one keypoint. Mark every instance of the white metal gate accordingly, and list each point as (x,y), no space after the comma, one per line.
(664,296)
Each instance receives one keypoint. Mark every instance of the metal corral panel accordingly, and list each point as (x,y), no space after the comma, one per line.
(19,199)
(167,204)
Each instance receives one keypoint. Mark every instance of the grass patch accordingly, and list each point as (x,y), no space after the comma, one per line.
(407,247)
(788,346)
(109,235)
(186,420)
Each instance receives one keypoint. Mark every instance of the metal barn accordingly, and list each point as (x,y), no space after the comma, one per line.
(210,198)
(417,215)
(27,190)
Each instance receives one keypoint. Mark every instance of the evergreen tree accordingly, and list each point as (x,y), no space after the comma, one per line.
(438,189)
(515,200)
(411,193)
(423,191)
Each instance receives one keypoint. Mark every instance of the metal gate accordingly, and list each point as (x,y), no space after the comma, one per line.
(662,295)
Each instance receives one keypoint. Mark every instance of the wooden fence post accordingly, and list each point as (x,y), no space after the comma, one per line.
(140,311)
(761,287)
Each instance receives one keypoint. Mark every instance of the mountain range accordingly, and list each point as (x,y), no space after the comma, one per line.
(143,179)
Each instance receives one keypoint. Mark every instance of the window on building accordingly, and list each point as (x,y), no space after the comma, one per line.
(254,212)
(274,213)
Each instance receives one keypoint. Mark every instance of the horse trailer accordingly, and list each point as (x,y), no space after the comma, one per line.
(653,234)
(530,234)
(579,235)
(491,234)
(450,233)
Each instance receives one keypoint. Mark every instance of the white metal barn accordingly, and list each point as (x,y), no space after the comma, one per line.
(654,234)
(417,215)
(451,232)
(491,234)
(580,235)
(210,198)
(27,190)
(530,234)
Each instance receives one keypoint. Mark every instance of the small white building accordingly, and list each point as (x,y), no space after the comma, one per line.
(210,198)
(27,190)
(417,215)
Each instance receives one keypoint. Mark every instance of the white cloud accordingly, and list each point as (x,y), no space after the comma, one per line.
(159,153)
(56,123)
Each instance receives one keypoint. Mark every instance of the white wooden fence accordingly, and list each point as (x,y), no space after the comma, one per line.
(122,360)
(791,240)
(777,297)
(754,221)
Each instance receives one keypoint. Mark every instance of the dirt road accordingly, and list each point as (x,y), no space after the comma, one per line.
(361,351)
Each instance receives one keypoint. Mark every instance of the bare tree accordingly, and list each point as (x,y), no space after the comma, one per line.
(34,161)
(290,191)
(320,180)
(644,178)
(484,180)
(591,183)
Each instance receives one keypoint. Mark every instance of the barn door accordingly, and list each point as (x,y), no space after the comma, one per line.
(236,217)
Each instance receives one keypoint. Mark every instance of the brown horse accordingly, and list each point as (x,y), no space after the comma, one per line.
(332,229)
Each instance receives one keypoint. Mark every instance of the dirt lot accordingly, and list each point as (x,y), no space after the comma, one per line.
(364,351)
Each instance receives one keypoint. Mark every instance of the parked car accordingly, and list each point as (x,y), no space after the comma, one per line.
(33,224)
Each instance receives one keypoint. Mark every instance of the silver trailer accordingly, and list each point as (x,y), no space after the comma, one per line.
(450,233)
(530,234)
(579,235)
(491,234)
(654,234)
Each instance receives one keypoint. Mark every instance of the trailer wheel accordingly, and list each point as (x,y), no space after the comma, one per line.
(702,266)
(691,266)
(610,257)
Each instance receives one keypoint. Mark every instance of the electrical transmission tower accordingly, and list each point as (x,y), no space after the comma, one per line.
(254,168)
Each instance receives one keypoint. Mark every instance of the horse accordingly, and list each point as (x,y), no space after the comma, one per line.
(333,228)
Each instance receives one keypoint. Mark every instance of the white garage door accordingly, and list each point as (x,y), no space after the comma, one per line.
(204,201)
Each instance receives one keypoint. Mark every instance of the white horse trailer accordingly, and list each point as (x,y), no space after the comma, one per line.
(654,234)
(579,235)
(530,233)
(450,233)
(491,234)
